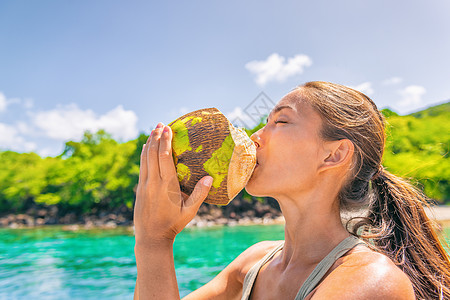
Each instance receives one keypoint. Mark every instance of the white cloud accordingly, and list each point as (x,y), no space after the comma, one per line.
(365,88)
(10,139)
(411,96)
(69,122)
(239,118)
(43,131)
(392,81)
(24,128)
(27,103)
(3,102)
(275,67)
(47,151)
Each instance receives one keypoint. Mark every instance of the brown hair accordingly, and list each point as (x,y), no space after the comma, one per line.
(397,224)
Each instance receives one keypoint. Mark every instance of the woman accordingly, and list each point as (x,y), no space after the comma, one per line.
(320,153)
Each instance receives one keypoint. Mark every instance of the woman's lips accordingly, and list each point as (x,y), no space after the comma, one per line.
(257,164)
(254,171)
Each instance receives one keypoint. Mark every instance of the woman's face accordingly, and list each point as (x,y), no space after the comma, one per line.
(289,150)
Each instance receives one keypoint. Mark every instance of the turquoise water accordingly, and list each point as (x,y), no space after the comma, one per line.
(51,263)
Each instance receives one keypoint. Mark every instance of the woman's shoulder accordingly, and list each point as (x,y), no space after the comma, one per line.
(247,259)
(365,274)
(228,283)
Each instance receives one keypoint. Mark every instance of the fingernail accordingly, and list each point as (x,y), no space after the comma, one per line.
(166,129)
(207,181)
(159,125)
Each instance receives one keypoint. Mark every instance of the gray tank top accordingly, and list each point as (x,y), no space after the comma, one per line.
(313,279)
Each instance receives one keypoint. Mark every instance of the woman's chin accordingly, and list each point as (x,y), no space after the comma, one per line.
(254,191)
(256,188)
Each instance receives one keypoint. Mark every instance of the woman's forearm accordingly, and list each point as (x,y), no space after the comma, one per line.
(136,290)
(156,271)
(161,211)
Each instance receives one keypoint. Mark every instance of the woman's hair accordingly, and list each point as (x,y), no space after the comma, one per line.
(397,224)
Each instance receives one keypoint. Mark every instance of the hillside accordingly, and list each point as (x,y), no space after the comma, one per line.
(418,147)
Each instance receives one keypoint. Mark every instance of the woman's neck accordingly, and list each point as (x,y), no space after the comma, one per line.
(313,228)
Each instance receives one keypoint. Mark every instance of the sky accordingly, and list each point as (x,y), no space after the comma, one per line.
(123,66)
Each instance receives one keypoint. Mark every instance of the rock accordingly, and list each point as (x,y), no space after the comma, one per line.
(221,221)
(14,225)
(39,221)
(53,211)
(110,224)
(112,217)
(267,220)
(201,223)
(31,211)
(244,221)
(4,222)
(89,225)
(69,218)
(21,218)
(250,214)
(41,213)
(74,227)
(29,221)
(51,221)
(232,223)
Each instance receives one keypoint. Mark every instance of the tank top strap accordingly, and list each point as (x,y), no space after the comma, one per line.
(250,277)
(325,264)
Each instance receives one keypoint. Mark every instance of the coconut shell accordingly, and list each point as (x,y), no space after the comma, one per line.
(206,143)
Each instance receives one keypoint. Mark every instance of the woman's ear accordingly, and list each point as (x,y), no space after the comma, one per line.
(337,153)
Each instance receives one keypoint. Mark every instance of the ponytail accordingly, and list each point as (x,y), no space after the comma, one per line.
(398,227)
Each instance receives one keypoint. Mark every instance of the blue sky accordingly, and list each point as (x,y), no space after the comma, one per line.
(67,66)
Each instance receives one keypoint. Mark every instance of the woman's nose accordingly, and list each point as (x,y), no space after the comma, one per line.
(256,139)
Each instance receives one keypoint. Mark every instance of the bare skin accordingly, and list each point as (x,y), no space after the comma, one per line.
(300,170)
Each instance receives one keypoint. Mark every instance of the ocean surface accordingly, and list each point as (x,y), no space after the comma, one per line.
(53,263)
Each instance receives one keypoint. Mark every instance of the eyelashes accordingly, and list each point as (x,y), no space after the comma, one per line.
(275,122)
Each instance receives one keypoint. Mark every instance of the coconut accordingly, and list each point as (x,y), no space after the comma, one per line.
(206,143)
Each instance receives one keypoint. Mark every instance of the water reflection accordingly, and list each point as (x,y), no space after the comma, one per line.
(52,263)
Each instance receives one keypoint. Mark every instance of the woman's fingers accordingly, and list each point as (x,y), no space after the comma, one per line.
(152,153)
(143,166)
(200,193)
(166,164)
(143,169)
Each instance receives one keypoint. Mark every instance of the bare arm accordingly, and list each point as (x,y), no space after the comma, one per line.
(136,293)
(161,212)
(156,272)
(226,285)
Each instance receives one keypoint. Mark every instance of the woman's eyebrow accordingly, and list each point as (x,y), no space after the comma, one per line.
(277,109)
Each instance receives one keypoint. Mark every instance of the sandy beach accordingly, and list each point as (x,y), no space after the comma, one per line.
(440,213)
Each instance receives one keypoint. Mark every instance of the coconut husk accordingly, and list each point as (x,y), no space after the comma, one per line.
(206,143)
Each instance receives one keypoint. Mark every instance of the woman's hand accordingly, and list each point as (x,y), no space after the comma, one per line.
(161,210)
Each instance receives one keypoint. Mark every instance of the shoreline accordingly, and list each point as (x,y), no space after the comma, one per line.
(195,223)
(440,214)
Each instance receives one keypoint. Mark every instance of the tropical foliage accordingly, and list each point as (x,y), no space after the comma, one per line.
(418,148)
(99,173)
